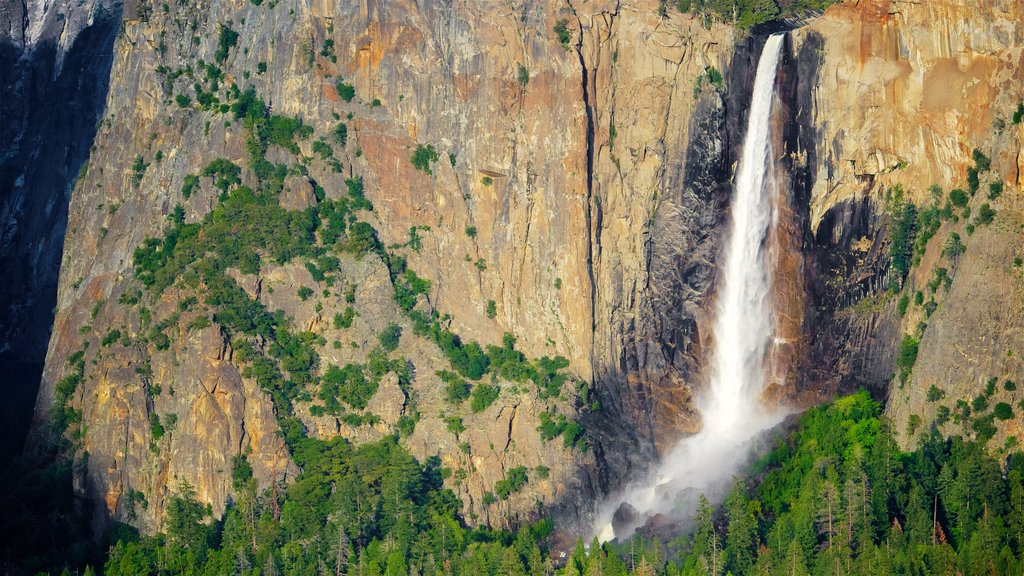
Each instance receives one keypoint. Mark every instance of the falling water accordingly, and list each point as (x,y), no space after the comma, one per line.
(743,330)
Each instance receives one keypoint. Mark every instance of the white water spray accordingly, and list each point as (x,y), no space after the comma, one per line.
(743,330)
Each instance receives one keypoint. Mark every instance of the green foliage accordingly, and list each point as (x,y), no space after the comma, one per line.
(344,319)
(1003,411)
(483,395)
(958,197)
(522,75)
(341,134)
(110,337)
(562,32)
(226,40)
(552,427)
(995,190)
(456,389)
(901,306)
(985,215)
(492,309)
(906,357)
(423,157)
(156,429)
(349,385)
(389,337)
(138,170)
(305,292)
(979,403)
(189,185)
(981,162)
(471,231)
(954,246)
(455,425)
(225,174)
(935,393)
(513,482)
(903,223)
(345,91)
(749,13)
(322,149)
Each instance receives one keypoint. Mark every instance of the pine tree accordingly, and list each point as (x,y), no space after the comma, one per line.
(741,536)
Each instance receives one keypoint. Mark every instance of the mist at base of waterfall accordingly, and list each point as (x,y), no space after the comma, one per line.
(732,412)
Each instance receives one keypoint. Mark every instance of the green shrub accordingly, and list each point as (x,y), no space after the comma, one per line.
(226,40)
(111,336)
(935,394)
(455,425)
(903,222)
(346,91)
(423,157)
(995,190)
(954,246)
(972,180)
(305,292)
(523,75)
(984,428)
(189,185)
(979,403)
(982,162)
(985,215)
(138,170)
(913,423)
(561,29)
(907,357)
(349,385)
(492,309)
(341,134)
(389,337)
(155,428)
(471,231)
(513,482)
(1003,411)
(483,395)
(344,320)
(901,306)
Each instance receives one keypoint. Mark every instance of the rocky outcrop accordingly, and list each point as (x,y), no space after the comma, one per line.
(906,90)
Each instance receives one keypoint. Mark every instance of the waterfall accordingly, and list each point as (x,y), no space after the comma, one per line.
(743,331)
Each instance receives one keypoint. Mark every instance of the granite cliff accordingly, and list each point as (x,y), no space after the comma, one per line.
(572,176)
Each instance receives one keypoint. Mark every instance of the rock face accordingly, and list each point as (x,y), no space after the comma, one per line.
(54,72)
(592,174)
(576,203)
(906,90)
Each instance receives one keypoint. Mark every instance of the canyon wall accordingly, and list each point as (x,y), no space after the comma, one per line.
(591,174)
(575,203)
(906,92)
(54,71)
